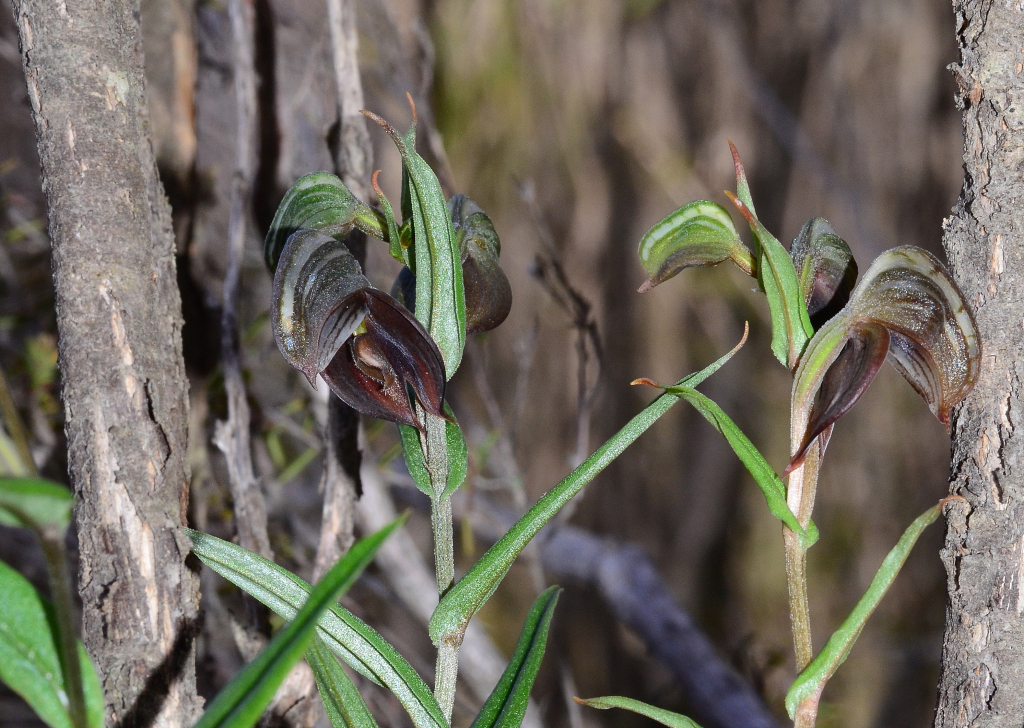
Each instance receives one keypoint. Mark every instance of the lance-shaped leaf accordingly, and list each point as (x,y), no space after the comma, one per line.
(826,269)
(346,635)
(472,591)
(791,326)
(506,705)
(319,201)
(665,717)
(767,480)
(812,680)
(440,292)
(34,503)
(488,293)
(320,299)
(242,701)
(29,658)
(700,233)
(908,307)
(343,704)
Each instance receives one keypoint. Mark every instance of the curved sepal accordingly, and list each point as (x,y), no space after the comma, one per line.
(488,293)
(319,201)
(317,300)
(929,335)
(826,269)
(698,234)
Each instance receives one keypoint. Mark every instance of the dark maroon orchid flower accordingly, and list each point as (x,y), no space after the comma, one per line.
(328,321)
(906,309)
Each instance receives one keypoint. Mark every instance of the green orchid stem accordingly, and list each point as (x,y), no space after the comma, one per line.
(807,713)
(801,488)
(435,452)
(52,542)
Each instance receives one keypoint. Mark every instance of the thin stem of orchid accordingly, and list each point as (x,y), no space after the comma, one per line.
(801,488)
(807,713)
(435,453)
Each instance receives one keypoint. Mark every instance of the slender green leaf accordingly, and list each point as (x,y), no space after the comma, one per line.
(346,635)
(398,251)
(29,661)
(440,292)
(466,597)
(698,234)
(771,485)
(320,201)
(791,325)
(665,717)
(458,456)
(344,705)
(242,701)
(34,503)
(506,705)
(811,681)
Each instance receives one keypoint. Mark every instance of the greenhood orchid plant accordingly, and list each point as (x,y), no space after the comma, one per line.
(390,356)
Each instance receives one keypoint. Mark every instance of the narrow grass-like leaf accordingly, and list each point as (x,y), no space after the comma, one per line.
(320,201)
(791,325)
(466,597)
(440,292)
(398,251)
(34,502)
(346,635)
(458,456)
(506,705)
(29,662)
(344,705)
(665,717)
(771,485)
(811,681)
(242,701)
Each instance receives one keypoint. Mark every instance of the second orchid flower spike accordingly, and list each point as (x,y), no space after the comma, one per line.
(908,308)
(328,321)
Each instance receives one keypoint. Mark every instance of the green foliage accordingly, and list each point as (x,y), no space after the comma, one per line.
(506,705)
(35,503)
(29,657)
(665,717)
(344,705)
(812,680)
(346,635)
(464,599)
(242,701)
(458,457)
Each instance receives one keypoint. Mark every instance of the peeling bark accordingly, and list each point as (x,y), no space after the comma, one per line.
(119,320)
(982,681)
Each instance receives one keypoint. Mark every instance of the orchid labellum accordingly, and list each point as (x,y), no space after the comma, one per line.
(906,309)
(328,321)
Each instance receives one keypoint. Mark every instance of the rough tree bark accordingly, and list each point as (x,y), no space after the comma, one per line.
(982,681)
(119,321)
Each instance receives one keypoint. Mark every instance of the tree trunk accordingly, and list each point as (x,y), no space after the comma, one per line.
(982,681)
(119,321)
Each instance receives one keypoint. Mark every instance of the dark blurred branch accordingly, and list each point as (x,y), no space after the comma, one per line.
(636,594)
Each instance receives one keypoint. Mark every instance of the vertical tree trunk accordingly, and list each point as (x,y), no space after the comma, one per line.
(982,680)
(119,321)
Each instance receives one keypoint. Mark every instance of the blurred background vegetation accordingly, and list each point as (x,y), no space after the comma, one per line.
(576,124)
